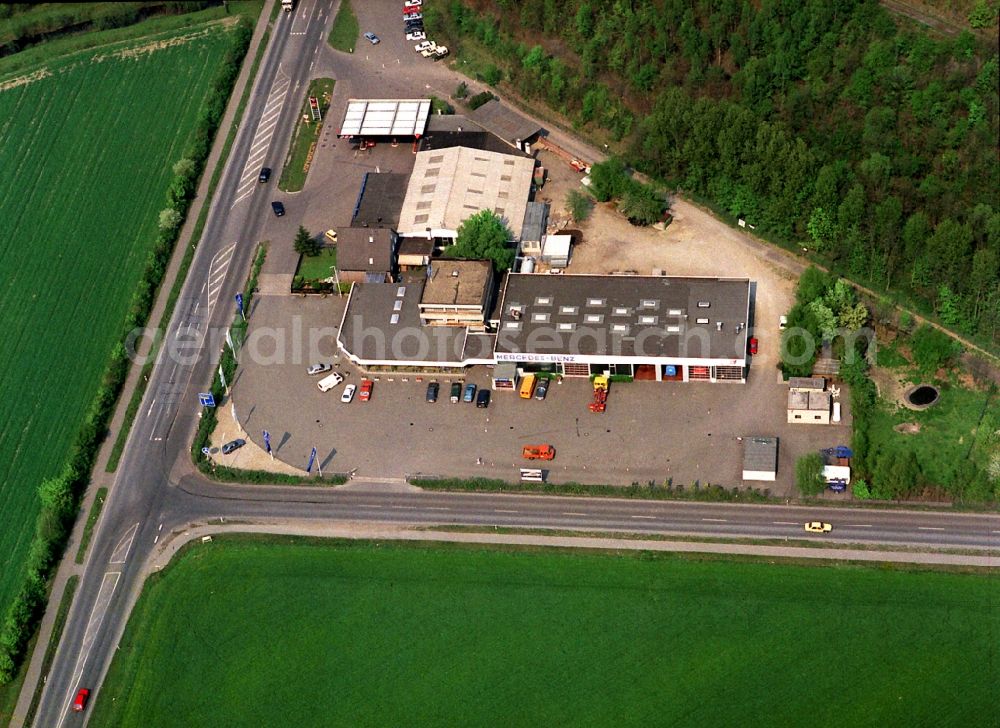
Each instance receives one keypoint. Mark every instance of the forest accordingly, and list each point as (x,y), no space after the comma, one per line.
(829,124)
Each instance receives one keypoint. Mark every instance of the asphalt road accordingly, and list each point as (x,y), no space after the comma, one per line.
(157,490)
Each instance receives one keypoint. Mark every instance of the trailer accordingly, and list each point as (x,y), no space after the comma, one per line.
(600,402)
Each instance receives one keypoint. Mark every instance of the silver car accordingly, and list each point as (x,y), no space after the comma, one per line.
(318,368)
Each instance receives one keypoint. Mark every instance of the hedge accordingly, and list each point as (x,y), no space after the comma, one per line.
(60,496)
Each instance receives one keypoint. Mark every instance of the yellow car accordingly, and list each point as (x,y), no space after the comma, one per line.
(818,527)
(331,235)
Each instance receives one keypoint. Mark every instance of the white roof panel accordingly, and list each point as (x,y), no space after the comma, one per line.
(385,117)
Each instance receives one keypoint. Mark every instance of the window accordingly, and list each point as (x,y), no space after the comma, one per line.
(543,301)
(701,321)
(477,174)
(648,320)
(798,417)
(420,218)
(570,310)
(595,301)
(620,311)
(704,304)
(503,195)
(540,318)
(594,318)
(475,192)
(424,205)
(471,207)
(619,328)
(400,292)
(394,319)
(673,329)
(505,178)
(508,162)
(432,171)
(428,189)
(566,327)
(436,159)
(397,305)
(675,312)
(499,211)
(512,325)
(649,303)
(482,159)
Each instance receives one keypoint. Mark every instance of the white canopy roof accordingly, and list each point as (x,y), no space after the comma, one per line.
(385,117)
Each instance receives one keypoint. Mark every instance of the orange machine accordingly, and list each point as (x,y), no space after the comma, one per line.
(538,452)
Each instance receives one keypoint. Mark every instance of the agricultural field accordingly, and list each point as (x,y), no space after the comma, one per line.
(87,143)
(248,632)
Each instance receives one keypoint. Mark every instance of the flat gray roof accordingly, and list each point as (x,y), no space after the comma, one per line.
(456,282)
(808,400)
(367,249)
(385,117)
(381,326)
(380,200)
(625,316)
(536,217)
(817,383)
(504,122)
(760,454)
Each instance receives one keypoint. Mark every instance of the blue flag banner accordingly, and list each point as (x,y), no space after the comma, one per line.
(239,303)
(312,459)
(267,441)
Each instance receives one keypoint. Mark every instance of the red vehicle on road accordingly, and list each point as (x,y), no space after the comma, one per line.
(81,700)
(366,390)
(753,345)
(538,452)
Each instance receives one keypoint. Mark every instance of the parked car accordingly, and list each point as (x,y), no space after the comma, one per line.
(366,390)
(416,35)
(265,175)
(318,368)
(413,25)
(470,393)
(412,4)
(327,383)
(483,399)
(413,14)
(425,46)
(428,52)
(432,392)
(279,209)
(541,389)
(753,345)
(782,323)
(818,527)
(80,702)
(372,38)
(538,452)
(233,445)
(456,392)
(331,235)
(348,394)
(440,52)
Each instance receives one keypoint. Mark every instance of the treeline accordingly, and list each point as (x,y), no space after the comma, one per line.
(23,25)
(821,121)
(60,496)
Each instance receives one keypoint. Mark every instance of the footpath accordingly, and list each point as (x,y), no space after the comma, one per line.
(99,477)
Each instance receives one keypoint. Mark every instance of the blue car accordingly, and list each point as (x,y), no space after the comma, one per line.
(470,393)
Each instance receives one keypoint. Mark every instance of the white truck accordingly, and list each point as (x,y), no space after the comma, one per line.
(288,5)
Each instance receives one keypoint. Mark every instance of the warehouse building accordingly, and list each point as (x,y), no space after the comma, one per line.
(648,327)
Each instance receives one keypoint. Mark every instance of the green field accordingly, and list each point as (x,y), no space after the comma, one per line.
(86,152)
(248,632)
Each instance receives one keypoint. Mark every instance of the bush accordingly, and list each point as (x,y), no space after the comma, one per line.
(809,474)
(462,90)
(491,75)
(579,204)
(860,489)
(609,180)
(479,99)
(933,349)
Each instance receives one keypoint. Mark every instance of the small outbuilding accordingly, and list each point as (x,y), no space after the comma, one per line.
(760,458)
(366,254)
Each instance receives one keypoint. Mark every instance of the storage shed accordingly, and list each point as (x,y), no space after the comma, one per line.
(760,458)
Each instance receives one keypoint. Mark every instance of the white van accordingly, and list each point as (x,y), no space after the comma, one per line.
(836,411)
(327,383)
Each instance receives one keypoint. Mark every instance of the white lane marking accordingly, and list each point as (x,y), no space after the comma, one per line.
(93,627)
(929,528)
(151,405)
(406,508)
(716,520)
(501,510)
(369,505)
(160,527)
(122,549)
(858,525)
(784,523)
(648,518)
(434,508)
(569,513)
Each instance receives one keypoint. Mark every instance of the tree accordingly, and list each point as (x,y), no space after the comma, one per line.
(169,219)
(641,204)
(809,474)
(813,284)
(579,205)
(306,244)
(932,349)
(608,180)
(483,236)
(822,229)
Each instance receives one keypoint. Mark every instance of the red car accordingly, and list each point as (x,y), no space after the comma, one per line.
(81,700)
(366,390)
(753,345)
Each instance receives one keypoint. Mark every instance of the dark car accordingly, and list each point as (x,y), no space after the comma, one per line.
(483,399)
(414,24)
(432,391)
(470,393)
(541,389)
(278,208)
(265,174)
(456,391)
(233,445)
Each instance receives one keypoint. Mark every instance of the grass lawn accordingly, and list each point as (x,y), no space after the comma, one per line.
(87,154)
(300,153)
(345,31)
(317,267)
(247,632)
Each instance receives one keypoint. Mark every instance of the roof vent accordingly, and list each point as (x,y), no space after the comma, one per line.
(454,274)
(718,326)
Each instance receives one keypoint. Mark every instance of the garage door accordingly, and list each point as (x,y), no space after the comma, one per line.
(576,370)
